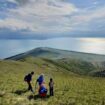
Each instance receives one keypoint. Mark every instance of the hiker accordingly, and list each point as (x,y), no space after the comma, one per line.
(40,79)
(51,87)
(28,79)
(42,88)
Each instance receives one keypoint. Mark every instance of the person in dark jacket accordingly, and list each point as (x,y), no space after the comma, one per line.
(51,87)
(28,79)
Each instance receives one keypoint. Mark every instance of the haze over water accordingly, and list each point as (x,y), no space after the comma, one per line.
(88,45)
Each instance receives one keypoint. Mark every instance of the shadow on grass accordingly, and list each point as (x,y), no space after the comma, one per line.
(35,97)
(20,92)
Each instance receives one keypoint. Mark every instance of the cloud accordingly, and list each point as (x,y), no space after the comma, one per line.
(46,8)
(15,24)
(12,1)
(93,14)
(46,15)
(90,20)
(53,17)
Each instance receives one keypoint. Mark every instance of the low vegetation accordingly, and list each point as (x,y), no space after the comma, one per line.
(70,88)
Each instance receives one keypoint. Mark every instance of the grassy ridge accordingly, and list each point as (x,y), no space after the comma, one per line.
(70,88)
(73,65)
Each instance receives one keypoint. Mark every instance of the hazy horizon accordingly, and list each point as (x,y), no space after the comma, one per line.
(86,45)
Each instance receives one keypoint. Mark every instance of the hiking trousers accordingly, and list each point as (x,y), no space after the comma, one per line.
(51,91)
(29,86)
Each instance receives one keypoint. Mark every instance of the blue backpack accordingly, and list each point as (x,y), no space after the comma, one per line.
(42,90)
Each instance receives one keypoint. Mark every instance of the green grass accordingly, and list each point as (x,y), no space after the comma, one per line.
(70,88)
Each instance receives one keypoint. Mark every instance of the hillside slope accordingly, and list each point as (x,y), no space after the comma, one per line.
(71,65)
(69,88)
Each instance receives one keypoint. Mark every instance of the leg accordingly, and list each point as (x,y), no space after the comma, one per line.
(30,87)
(50,91)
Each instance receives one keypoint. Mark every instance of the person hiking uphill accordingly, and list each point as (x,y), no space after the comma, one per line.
(42,88)
(28,79)
(51,87)
(40,79)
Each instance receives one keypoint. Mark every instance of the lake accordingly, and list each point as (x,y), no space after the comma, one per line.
(88,45)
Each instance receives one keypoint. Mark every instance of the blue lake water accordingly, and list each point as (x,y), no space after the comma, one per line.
(88,45)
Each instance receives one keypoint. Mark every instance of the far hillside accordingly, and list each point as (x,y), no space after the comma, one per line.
(76,62)
(51,53)
(72,65)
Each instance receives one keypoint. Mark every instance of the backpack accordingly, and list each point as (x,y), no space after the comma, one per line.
(25,78)
(43,90)
(28,78)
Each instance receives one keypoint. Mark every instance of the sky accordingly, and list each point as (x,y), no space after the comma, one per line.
(77,25)
(45,19)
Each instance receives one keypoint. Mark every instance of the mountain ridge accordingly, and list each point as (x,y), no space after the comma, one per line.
(53,53)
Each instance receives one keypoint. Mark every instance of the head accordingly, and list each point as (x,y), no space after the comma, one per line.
(42,75)
(32,73)
(51,79)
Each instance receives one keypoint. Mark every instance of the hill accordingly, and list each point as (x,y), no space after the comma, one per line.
(76,62)
(71,73)
(52,53)
(72,65)
(69,88)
